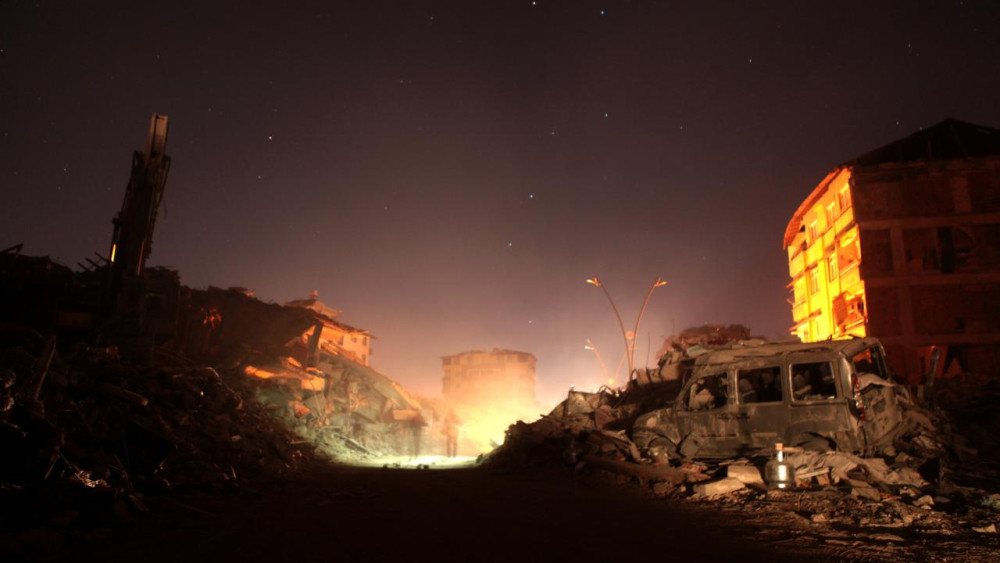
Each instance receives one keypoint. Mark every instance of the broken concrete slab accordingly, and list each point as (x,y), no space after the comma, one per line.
(720,487)
(747,474)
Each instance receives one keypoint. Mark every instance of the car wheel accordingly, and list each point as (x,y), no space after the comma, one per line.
(655,446)
(815,443)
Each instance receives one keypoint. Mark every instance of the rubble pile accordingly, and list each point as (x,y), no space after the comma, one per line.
(972,403)
(929,477)
(88,434)
(347,409)
(91,434)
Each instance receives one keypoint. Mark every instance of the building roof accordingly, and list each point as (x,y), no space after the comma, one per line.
(946,140)
(795,225)
(949,139)
(325,313)
(495,352)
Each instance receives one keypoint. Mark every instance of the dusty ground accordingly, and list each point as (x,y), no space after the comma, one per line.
(478,514)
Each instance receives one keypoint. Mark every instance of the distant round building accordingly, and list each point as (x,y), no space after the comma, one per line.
(478,377)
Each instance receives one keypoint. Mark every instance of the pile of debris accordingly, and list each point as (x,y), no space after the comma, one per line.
(929,473)
(88,434)
(349,410)
(91,434)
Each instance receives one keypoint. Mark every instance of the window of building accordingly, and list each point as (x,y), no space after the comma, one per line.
(844,198)
(922,253)
(813,232)
(831,268)
(814,281)
(831,214)
(956,247)
(761,385)
(813,381)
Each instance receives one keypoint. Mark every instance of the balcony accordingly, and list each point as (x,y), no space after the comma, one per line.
(800,310)
(845,220)
(796,265)
(850,277)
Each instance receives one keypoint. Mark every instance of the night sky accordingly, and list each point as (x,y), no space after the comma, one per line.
(449,174)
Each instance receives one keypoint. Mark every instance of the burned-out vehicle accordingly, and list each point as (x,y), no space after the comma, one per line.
(742,400)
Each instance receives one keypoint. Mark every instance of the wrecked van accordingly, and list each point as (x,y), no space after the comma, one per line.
(741,401)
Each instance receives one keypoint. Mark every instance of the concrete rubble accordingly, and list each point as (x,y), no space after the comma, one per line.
(931,479)
(91,437)
(94,435)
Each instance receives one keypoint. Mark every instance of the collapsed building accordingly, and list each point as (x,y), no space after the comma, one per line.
(309,374)
(119,385)
(903,243)
(336,337)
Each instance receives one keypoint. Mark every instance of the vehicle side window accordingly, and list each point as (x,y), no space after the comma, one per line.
(866,362)
(760,385)
(707,393)
(813,381)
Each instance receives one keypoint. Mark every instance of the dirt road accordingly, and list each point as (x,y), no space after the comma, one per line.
(473,514)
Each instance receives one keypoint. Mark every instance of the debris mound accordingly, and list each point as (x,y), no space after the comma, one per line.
(929,476)
(89,435)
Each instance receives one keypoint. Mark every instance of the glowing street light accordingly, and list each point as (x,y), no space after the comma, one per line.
(629,343)
(658,282)
(597,283)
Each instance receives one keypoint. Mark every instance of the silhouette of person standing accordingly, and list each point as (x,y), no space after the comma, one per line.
(450,431)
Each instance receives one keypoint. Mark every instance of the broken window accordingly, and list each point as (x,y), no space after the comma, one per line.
(956,249)
(760,385)
(869,361)
(844,198)
(707,393)
(921,246)
(813,381)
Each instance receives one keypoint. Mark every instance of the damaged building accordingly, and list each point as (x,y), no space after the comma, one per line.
(336,337)
(903,243)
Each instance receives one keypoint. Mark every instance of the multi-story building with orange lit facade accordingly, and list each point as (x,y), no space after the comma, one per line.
(478,377)
(903,243)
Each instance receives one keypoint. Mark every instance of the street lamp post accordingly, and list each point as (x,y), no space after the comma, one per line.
(597,282)
(658,282)
(629,347)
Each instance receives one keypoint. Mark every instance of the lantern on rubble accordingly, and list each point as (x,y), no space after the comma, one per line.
(779,472)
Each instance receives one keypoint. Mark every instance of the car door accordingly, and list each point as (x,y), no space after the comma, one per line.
(818,401)
(761,403)
(707,417)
